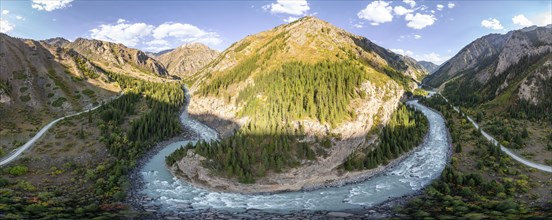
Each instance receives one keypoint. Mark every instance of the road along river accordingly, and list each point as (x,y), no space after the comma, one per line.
(407,177)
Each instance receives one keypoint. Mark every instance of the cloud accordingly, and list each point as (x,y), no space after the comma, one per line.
(440,7)
(153,38)
(19,18)
(419,21)
(5,12)
(492,23)
(417,36)
(432,57)
(358,25)
(542,19)
(50,5)
(400,10)
(184,32)
(377,12)
(522,20)
(5,26)
(412,3)
(290,19)
(292,7)
(157,42)
(125,33)
(451,5)
(403,52)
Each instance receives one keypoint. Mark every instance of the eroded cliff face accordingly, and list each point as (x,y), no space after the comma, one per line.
(532,89)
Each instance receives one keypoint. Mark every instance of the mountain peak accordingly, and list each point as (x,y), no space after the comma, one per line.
(194,45)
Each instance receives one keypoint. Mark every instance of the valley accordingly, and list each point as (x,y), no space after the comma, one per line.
(301,119)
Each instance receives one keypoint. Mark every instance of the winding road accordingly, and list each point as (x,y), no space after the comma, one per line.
(16,153)
(510,153)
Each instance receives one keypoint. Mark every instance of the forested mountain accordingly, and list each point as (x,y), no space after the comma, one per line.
(304,95)
(429,66)
(510,72)
(187,59)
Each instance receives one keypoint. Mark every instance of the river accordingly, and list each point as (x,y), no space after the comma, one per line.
(407,177)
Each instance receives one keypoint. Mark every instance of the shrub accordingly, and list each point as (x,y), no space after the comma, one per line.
(18,170)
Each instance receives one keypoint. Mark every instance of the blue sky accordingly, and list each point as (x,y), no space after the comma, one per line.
(425,30)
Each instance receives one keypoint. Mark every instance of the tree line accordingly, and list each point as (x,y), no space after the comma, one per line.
(405,130)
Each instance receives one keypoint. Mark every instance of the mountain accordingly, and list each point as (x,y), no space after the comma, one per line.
(39,81)
(306,93)
(157,54)
(511,72)
(187,59)
(57,42)
(118,57)
(429,66)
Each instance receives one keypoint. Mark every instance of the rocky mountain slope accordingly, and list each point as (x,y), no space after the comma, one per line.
(501,71)
(40,81)
(118,57)
(187,59)
(315,86)
(429,66)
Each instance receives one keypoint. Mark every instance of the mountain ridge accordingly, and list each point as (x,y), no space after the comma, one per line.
(187,59)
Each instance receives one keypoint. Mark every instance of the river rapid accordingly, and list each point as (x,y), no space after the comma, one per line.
(407,177)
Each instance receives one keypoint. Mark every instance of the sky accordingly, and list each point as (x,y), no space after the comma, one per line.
(425,30)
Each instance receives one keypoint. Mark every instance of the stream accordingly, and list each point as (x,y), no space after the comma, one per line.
(407,177)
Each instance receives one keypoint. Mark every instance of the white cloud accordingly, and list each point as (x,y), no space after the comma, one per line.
(417,36)
(292,7)
(5,12)
(5,26)
(522,20)
(403,52)
(440,7)
(492,23)
(158,42)
(290,19)
(19,18)
(412,3)
(400,10)
(377,12)
(151,37)
(50,5)
(432,57)
(543,19)
(358,25)
(419,21)
(181,31)
(451,5)
(125,33)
